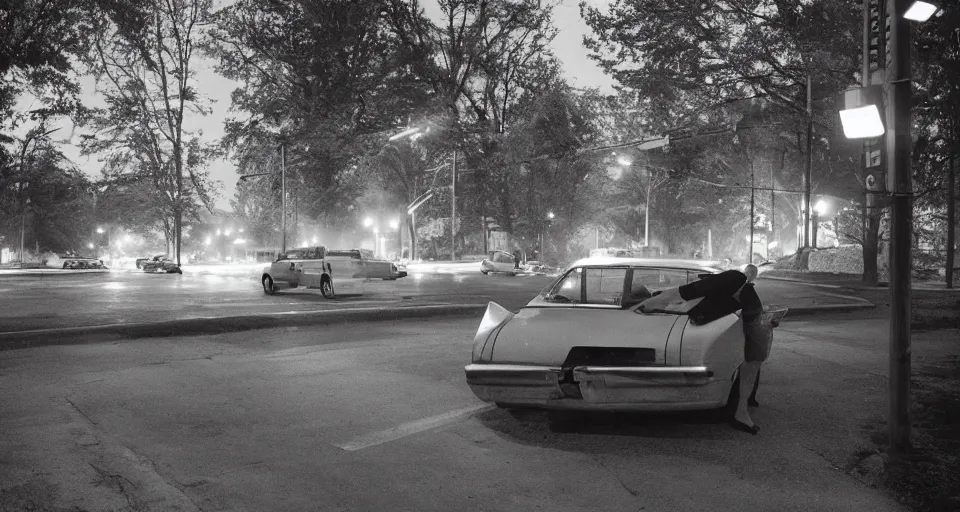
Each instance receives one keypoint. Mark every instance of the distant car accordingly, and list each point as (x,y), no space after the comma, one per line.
(330,271)
(583,344)
(83,264)
(499,261)
(159,264)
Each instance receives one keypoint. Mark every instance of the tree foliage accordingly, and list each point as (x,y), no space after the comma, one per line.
(143,58)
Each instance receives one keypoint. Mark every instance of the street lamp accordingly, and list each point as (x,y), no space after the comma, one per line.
(367,222)
(862,122)
(920,11)
(100,230)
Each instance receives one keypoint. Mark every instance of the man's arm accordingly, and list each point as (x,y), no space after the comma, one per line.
(723,284)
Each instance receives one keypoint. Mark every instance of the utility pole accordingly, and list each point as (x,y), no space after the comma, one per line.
(809,167)
(753,192)
(453,211)
(646,215)
(898,84)
(283,196)
(773,204)
(951,219)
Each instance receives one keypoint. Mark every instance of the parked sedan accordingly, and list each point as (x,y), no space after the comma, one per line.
(499,261)
(583,343)
(160,264)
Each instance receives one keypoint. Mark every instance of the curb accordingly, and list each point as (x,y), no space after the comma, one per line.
(880,286)
(825,308)
(221,325)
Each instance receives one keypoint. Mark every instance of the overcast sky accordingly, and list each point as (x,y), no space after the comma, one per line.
(580,70)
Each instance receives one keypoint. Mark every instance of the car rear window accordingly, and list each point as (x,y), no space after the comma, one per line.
(605,285)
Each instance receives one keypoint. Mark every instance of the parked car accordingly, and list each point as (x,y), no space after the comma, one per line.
(583,343)
(329,271)
(160,264)
(499,261)
(83,263)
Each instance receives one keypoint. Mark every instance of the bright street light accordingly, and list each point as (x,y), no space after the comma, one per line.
(376,231)
(367,222)
(218,232)
(405,133)
(394,224)
(241,230)
(550,215)
(821,207)
(90,246)
(862,122)
(314,239)
(227,232)
(100,230)
(207,241)
(920,11)
(126,238)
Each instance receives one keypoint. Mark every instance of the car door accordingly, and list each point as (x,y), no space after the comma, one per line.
(504,262)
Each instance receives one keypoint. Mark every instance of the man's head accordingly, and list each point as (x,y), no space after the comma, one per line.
(751,272)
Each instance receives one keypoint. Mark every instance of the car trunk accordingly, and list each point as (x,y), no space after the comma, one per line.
(579,336)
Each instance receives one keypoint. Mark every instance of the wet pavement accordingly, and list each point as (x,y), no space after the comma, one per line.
(33,302)
(378,417)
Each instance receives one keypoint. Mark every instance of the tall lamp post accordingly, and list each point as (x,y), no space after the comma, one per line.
(864,121)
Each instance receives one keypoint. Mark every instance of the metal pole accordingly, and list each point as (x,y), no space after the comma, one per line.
(710,243)
(283,196)
(752,202)
(598,238)
(773,206)
(808,170)
(453,211)
(646,215)
(951,219)
(898,86)
(23,224)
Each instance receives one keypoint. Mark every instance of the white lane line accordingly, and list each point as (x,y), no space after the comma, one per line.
(409,429)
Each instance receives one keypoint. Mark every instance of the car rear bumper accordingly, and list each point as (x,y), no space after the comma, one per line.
(599,388)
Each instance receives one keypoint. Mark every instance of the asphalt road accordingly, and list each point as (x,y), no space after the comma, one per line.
(377,417)
(76,300)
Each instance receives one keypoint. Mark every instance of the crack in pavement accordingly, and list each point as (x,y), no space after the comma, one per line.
(634,493)
(155,488)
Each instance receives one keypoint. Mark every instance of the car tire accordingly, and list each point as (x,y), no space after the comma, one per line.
(485,272)
(326,287)
(268,287)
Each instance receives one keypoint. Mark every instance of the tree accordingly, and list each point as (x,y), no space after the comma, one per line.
(328,79)
(691,67)
(144,58)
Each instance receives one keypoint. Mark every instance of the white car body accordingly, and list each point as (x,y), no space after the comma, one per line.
(499,261)
(330,271)
(601,356)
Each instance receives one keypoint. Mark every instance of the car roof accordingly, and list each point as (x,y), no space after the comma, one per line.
(613,261)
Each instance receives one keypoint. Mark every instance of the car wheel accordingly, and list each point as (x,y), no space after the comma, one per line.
(485,272)
(268,286)
(326,287)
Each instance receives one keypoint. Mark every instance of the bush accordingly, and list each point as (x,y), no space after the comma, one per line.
(846,259)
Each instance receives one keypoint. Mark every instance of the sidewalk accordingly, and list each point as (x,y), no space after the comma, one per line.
(850,281)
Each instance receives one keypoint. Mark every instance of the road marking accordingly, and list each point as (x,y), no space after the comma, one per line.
(409,429)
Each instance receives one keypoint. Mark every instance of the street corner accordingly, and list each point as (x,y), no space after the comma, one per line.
(213,325)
